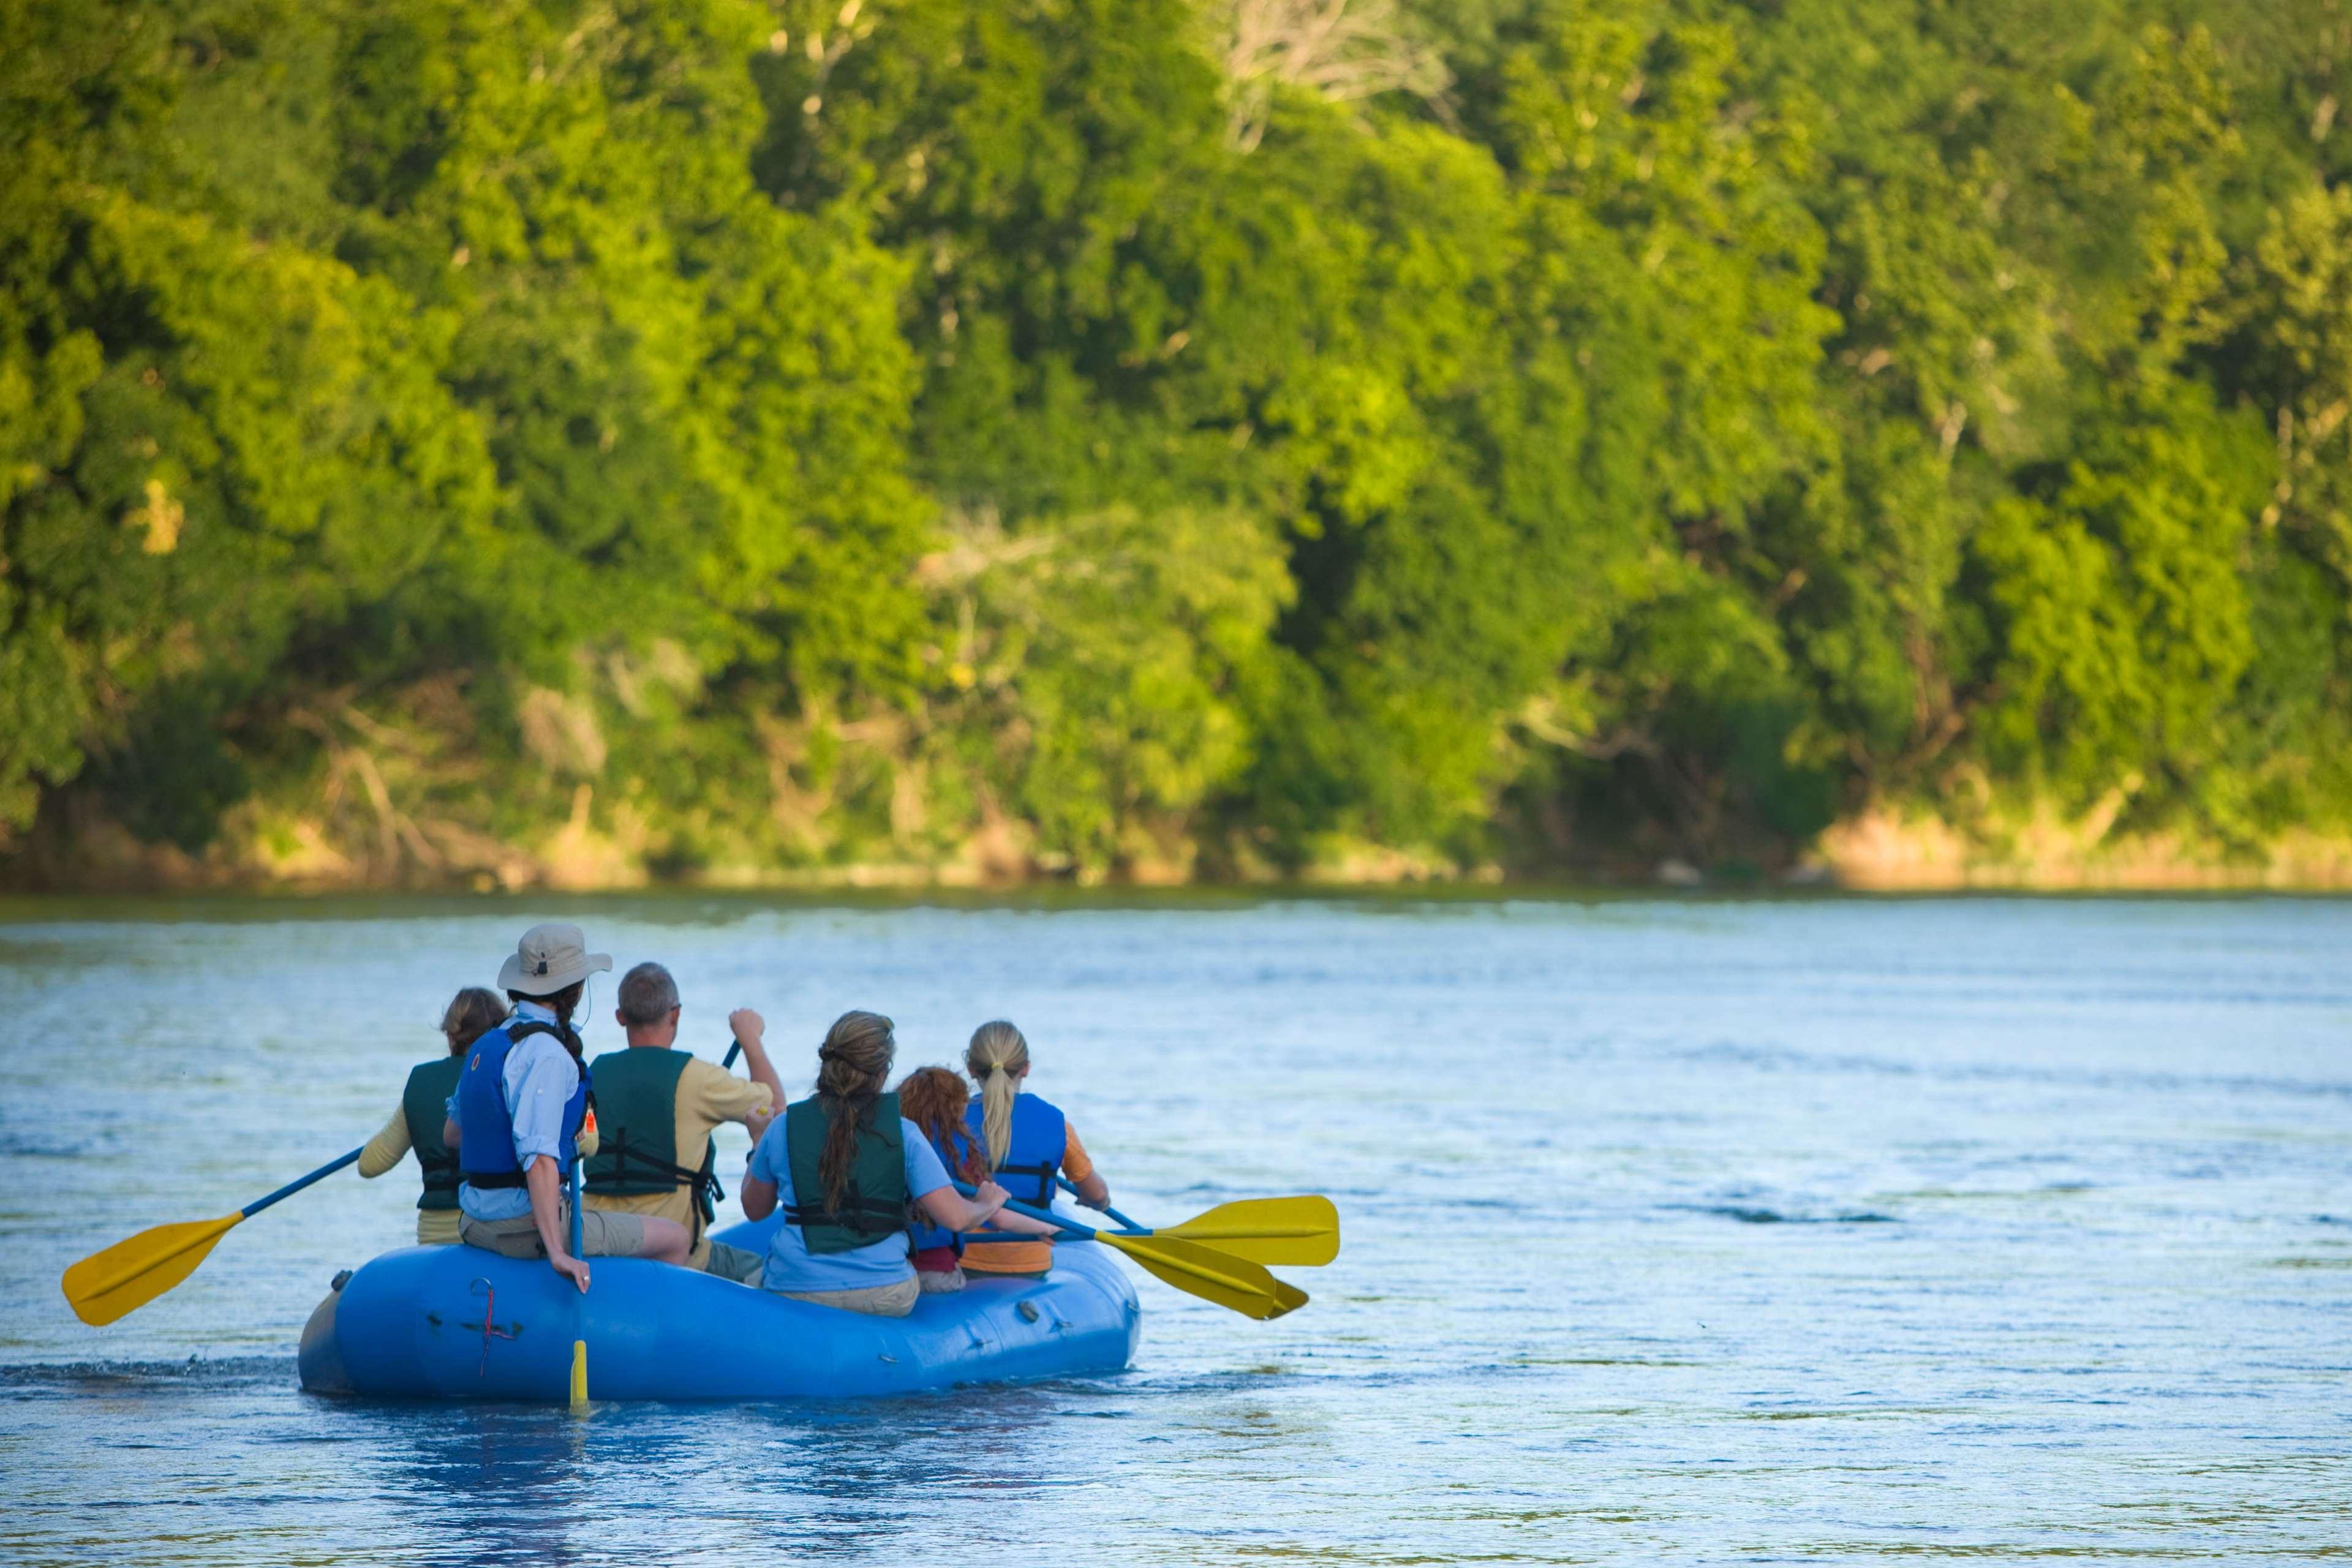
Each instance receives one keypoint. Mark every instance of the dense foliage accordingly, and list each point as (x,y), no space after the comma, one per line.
(720,438)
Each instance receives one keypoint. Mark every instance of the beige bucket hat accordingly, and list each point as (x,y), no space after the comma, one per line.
(551,956)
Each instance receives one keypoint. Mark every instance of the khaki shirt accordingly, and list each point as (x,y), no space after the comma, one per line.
(708,1095)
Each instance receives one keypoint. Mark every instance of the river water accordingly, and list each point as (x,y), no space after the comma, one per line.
(1677,1230)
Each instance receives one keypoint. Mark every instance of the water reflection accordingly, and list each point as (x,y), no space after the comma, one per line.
(487,1485)
(877,1481)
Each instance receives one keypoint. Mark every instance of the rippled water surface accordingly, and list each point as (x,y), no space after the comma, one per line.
(1675,1231)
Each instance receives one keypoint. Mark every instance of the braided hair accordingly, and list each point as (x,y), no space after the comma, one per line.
(852,1066)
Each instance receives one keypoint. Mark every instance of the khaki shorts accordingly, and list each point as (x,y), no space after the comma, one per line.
(602,1235)
(739,1264)
(939,1282)
(875,1300)
(437,1228)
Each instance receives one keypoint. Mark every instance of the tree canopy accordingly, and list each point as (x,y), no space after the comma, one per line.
(582,440)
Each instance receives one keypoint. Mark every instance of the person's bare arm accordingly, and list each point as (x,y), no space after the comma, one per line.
(544,1182)
(759,1198)
(449,1134)
(1090,1188)
(951,1210)
(751,1032)
(1021,1224)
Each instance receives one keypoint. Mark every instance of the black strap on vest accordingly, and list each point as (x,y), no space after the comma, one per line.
(439,1168)
(702,1182)
(563,1032)
(1041,1174)
(625,1154)
(491,1181)
(892,1216)
(440,1175)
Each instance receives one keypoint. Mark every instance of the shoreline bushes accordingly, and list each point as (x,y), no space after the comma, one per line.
(706,439)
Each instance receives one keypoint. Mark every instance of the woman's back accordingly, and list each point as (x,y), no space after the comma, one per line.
(1026,1140)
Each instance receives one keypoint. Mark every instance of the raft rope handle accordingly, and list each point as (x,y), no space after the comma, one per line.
(490,1323)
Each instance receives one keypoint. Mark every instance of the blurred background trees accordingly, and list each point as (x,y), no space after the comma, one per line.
(580,442)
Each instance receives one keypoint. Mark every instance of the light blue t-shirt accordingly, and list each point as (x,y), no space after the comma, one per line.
(792,1266)
(539,1080)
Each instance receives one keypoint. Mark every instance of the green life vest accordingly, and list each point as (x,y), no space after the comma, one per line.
(425,1105)
(873,1199)
(636,1131)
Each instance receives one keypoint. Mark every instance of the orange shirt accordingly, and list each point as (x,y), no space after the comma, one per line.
(1029,1256)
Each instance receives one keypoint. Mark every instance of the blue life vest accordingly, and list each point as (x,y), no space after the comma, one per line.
(1033,1156)
(921,1233)
(486,1149)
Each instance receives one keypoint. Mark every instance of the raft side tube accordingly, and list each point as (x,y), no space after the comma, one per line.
(320,1360)
(459,1322)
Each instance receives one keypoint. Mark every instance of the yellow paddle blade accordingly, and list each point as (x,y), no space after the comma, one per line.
(1231,1282)
(1301,1232)
(129,1274)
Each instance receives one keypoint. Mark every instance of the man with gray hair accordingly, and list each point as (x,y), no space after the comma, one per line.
(656,1106)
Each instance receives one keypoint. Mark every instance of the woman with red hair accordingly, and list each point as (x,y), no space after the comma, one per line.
(934,1099)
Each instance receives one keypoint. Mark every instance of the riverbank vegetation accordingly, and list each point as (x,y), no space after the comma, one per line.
(588,442)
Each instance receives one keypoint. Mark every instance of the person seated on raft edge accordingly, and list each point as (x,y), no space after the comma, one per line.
(844,1166)
(654,1102)
(417,1120)
(932,1100)
(516,1120)
(1027,1141)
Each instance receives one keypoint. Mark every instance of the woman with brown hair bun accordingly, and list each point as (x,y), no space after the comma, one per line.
(845,1164)
(1027,1141)
(415,1121)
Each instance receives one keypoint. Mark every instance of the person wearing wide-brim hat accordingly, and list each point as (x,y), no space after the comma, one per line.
(516,1118)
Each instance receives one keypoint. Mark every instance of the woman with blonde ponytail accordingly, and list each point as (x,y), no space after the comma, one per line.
(1028,1143)
(846,1167)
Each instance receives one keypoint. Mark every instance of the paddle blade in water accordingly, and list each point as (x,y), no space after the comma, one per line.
(1235,1283)
(129,1274)
(1301,1232)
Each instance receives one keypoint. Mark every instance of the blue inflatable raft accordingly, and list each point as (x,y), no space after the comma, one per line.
(458,1322)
